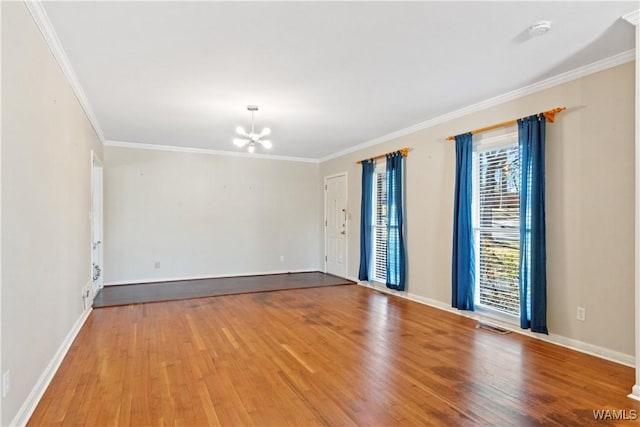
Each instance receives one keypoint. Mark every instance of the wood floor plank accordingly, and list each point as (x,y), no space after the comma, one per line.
(343,355)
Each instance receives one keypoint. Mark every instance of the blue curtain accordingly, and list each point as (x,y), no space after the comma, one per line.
(396,257)
(366,216)
(463,263)
(533,275)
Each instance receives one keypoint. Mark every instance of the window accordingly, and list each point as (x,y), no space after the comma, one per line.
(496,217)
(379,273)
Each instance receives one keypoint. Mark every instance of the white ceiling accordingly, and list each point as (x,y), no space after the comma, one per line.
(326,75)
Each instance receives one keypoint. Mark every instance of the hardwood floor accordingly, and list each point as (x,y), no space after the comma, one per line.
(185,289)
(343,355)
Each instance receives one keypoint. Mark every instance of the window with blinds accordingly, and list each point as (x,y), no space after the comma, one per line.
(379,272)
(497,227)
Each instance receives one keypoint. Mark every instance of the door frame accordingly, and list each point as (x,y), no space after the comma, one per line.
(346,226)
(96,162)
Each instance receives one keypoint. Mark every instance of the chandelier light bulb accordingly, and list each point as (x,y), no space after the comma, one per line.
(239,142)
(265,132)
(266,144)
(240,130)
(252,147)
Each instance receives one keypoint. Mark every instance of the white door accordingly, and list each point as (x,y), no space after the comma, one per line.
(96,225)
(335,213)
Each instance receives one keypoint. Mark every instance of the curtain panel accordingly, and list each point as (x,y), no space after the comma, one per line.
(533,258)
(396,256)
(463,258)
(366,217)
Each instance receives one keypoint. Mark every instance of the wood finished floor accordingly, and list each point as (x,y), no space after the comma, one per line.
(343,355)
(185,289)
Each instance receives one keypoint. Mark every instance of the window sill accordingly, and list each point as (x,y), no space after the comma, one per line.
(490,314)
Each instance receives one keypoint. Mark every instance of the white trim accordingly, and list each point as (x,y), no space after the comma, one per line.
(565,77)
(632,17)
(208,276)
(494,142)
(335,175)
(173,148)
(570,343)
(1,367)
(46,28)
(29,405)
(346,221)
(96,161)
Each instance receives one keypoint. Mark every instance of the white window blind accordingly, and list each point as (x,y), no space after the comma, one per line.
(497,227)
(379,272)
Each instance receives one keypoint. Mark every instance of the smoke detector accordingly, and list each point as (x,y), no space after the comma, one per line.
(539,28)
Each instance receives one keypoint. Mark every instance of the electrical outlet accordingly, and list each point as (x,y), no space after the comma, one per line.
(281,258)
(5,383)
(581,313)
(156,265)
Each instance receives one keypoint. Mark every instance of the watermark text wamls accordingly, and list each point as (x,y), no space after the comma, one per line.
(615,414)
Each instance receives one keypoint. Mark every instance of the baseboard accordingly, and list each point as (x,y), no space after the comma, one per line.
(208,276)
(635,392)
(27,408)
(570,343)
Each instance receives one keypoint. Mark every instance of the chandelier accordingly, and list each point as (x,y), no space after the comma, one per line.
(252,138)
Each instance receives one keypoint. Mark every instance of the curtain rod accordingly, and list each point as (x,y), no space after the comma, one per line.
(404,151)
(550,115)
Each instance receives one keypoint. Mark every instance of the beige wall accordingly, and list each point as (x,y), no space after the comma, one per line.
(590,204)
(151,212)
(46,143)
(202,215)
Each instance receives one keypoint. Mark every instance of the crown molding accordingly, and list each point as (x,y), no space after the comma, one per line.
(565,77)
(175,149)
(632,17)
(46,28)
